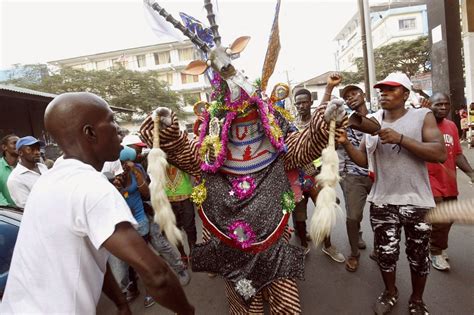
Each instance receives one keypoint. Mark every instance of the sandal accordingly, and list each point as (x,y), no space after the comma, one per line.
(352,263)
(417,308)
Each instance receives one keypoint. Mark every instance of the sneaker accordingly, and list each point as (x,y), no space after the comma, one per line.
(439,262)
(306,250)
(149,301)
(417,308)
(334,254)
(385,302)
(183,277)
(445,255)
(211,275)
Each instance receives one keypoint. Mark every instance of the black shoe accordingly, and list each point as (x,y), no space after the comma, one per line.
(131,292)
(385,302)
(417,308)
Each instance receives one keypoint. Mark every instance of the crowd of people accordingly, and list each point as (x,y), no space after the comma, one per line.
(90,217)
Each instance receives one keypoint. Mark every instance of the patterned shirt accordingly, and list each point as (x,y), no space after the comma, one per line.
(346,165)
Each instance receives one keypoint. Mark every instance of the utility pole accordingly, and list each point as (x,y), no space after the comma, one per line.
(370,52)
(364,50)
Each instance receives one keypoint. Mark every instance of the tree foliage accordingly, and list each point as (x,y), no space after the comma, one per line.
(141,91)
(408,56)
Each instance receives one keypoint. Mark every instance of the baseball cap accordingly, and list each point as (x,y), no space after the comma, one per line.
(133,140)
(28,140)
(396,79)
(347,88)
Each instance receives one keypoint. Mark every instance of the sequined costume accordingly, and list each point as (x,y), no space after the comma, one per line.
(248,199)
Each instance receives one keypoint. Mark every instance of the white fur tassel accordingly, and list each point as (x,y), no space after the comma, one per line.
(157,165)
(326,210)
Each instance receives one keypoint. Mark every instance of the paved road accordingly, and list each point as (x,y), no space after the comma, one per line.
(330,289)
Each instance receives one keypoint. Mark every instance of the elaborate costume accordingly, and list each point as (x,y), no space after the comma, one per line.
(245,199)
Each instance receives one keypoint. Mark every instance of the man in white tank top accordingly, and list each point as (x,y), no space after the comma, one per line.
(401,194)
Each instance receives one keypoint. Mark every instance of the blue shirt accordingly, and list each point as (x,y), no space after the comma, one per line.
(134,199)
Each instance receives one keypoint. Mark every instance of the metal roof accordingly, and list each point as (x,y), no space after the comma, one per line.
(29,92)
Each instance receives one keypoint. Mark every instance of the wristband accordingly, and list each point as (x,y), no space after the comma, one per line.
(141,184)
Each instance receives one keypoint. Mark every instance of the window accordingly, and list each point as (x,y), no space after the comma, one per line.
(102,65)
(186,54)
(141,61)
(166,77)
(162,58)
(189,78)
(407,24)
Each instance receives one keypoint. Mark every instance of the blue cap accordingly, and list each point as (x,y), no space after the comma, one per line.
(28,140)
(128,154)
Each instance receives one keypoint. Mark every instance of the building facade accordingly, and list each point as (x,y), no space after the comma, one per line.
(402,20)
(167,59)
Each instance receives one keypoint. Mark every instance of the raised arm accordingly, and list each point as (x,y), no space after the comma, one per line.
(333,80)
(180,151)
(431,149)
(162,284)
(306,146)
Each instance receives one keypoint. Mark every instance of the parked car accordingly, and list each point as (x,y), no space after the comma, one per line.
(10,219)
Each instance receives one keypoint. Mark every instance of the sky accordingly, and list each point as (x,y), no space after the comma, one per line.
(37,31)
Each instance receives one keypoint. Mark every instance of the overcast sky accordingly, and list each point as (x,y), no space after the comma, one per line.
(39,31)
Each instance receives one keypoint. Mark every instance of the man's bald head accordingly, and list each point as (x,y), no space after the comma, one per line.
(82,124)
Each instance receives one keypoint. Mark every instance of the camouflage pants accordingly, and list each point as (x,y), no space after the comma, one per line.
(387,222)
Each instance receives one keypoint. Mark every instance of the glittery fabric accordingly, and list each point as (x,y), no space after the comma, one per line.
(263,212)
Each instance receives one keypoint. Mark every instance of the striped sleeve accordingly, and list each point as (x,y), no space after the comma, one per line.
(180,151)
(305,146)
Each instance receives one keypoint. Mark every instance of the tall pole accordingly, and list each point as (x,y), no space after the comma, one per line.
(364,50)
(370,52)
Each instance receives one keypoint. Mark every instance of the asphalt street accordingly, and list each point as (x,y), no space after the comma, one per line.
(329,289)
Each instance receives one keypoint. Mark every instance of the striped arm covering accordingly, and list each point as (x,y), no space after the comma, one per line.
(180,151)
(283,298)
(306,145)
(459,211)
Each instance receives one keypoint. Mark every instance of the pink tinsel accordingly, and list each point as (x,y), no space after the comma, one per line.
(246,229)
(241,192)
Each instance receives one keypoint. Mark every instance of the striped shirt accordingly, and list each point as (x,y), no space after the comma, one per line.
(346,165)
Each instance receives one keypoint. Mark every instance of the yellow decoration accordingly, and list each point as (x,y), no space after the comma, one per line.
(210,140)
(199,194)
(286,114)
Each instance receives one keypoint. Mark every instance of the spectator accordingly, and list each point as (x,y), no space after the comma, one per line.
(178,190)
(443,177)
(27,171)
(48,162)
(303,103)
(355,182)
(7,164)
(87,217)
(134,142)
(401,194)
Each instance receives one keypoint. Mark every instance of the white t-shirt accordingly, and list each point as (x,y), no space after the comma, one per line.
(58,263)
(21,181)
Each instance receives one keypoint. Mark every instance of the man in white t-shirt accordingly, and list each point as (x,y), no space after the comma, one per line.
(74,218)
(28,170)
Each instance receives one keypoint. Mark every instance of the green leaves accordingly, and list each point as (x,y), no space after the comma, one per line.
(141,91)
(408,56)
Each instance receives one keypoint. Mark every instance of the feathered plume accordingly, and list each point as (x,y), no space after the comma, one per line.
(157,165)
(327,209)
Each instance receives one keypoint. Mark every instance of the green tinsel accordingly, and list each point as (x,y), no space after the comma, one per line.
(288,202)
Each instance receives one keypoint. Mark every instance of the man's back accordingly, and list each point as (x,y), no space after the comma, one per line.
(58,264)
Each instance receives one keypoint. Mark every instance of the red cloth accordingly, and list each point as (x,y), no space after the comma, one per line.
(443,175)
